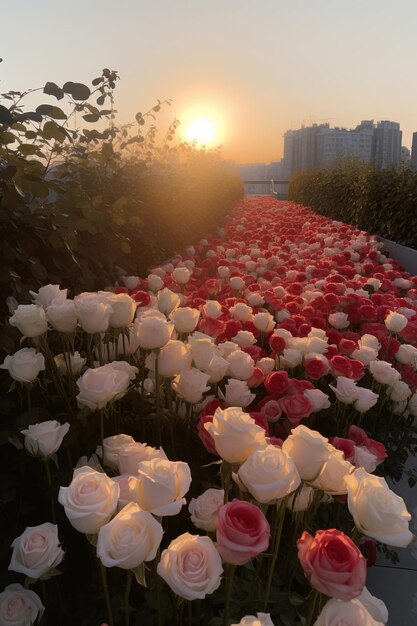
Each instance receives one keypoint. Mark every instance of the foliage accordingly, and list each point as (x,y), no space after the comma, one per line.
(383,202)
(80,205)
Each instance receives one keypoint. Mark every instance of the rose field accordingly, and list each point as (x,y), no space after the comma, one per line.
(209,444)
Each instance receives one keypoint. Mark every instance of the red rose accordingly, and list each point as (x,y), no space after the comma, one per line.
(333,564)
(204,434)
(242,532)
(316,367)
(296,407)
(277,382)
(345,445)
(271,410)
(277,343)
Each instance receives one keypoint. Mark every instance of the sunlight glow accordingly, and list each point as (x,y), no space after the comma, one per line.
(202,131)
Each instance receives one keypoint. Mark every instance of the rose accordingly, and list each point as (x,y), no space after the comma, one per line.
(130,538)
(262,619)
(62,316)
(155,282)
(296,407)
(132,454)
(24,365)
(333,564)
(131,282)
(316,365)
(290,358)
(19,606)
(181,275)
(217,369)
(30,319)
(277,382)
(319,400)
(345,390)
(104,384)
(47,294)
(191,384)
(242,532)
(364,399)
(124,308)
(244,339)
(212,308)
(301,500)
(272,410)
(264,322)
(174,358)
(44,439)
(395,322)
(191,566)
(407,355)
(154,332)
(36,551)
(241,311)
(268,474)
(309,451)
(93,312)
(383,372)
(241,365)
(374,606)
(338,320)
(399,391)
(202,352)
(204,509)
(90,499)
(162,485)
(237,283)
(237,393)
(266,364)
(352,613)
(168,301)
(77,362)
(377,511)
(185,319)
(235,434)
(335,469)
(111,448)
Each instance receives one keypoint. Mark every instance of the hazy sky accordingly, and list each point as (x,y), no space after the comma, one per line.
(256,68)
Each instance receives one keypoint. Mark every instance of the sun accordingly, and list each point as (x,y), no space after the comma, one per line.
(201,130)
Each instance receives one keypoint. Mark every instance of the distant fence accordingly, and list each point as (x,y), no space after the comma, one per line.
(276,188)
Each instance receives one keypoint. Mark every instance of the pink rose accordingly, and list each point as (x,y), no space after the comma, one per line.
(296,407)
(242,532)
(272,410)
(333,564)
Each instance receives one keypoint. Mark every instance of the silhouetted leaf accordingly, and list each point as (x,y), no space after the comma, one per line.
(51,89)
(78,91)
(55,112)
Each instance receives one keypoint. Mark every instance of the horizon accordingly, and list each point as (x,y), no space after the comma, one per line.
(252,71)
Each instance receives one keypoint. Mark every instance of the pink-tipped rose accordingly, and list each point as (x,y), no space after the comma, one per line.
(242,532)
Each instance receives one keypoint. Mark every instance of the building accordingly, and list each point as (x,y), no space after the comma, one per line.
(413,161)
(336,143)
(388,138)
(300,148)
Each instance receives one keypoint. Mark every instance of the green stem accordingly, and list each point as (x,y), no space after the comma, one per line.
(229,588)
(106,593)
(129,576)
(226,475)
(312,599)
(158,399)
(49,479)
(276,539)
(101,413)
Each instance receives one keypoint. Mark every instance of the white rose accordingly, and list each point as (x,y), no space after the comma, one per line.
(291,358)
(399,391)
(254,298)
(395,322)
(111,448)
(124,309)
(132,454)
(36,551)
(226,347)
(93,312)
(19,606)
(47,294)
(268,474)
(185,319)
(104,384)
(309,451)
(217,369)
(237,393)
(244,339)
(212,308)
(174,357)
(44,439)
(407,355)
(331,478)
(181,275)
(129,539)
(364,458)
(202,352)
(383,372)
(204,509)
(235,434)
(237,283)
(377,511)
(412,404)
(76,360)
(24,365)
(241,311)
(168,301)
(223,271)
(369,341)
(374,606)
(154,333)
(302,499)
(62,316)
(338,320)
(261,619)
(127,489)
(266,365)
(191,566)
(90,500)
(365,399)
(319,400)
(162,485)
(191,384)
(30,319)
(345,390)
(241,365)
(155,282)
(264,322)
(131,282)
(352,613)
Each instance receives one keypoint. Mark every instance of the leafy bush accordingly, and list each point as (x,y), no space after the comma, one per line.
(381,201)
(78,206)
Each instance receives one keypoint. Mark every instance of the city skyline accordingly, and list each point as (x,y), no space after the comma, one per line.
(254,70)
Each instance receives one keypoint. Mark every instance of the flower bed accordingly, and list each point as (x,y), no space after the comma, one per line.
(231,420)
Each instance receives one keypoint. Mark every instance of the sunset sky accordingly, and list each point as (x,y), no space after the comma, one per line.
(251,68)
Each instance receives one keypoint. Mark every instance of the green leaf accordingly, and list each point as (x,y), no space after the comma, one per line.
(7,137)
(38,271)
(28,148)
(91,117)
(51,89)
(97,81)
(55,112)
(100,100)
(52,130)
(5,115)
(7,172)
(78,91)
